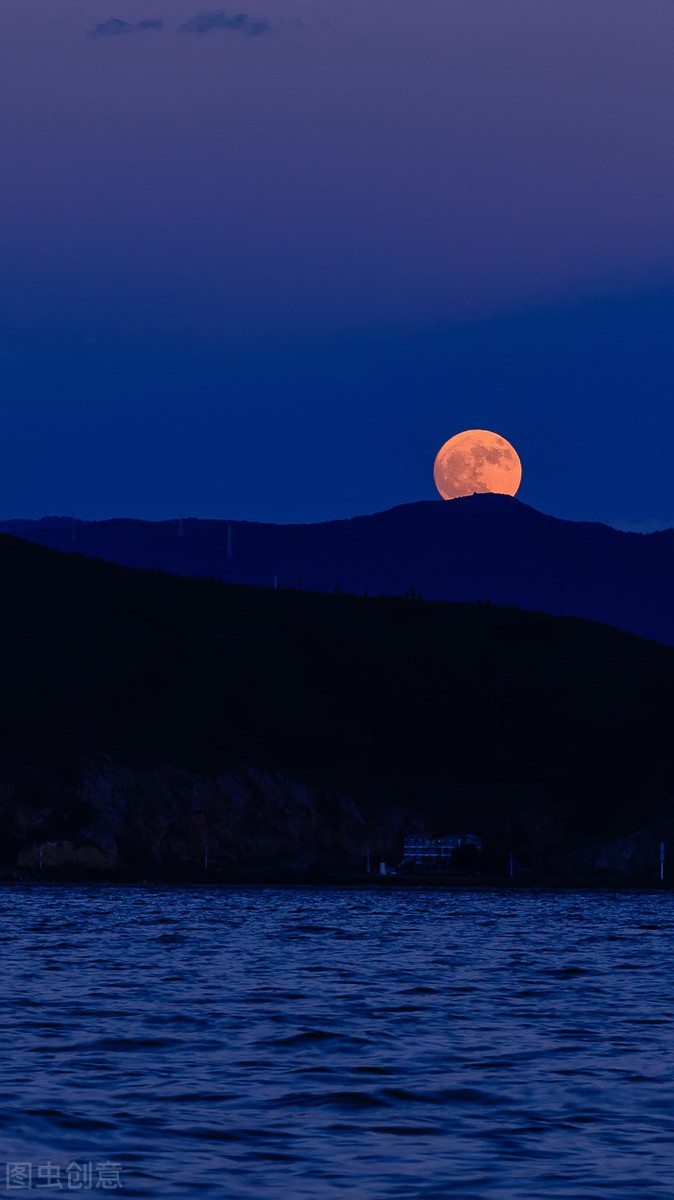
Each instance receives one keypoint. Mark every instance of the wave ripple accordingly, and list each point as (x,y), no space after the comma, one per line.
(478,1046)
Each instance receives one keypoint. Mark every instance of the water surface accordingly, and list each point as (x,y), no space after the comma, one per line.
(300,1042)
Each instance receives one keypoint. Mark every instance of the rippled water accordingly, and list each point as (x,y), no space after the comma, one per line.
(315,1043)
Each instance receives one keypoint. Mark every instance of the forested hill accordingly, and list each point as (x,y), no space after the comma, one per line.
(481,547)
(471,714)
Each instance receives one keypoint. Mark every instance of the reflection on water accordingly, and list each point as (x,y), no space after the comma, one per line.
(316,1043)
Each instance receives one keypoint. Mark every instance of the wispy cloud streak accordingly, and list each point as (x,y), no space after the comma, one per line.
(208,22)
(114,27)
(202,23)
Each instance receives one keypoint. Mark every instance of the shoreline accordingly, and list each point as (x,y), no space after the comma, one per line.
(286,879)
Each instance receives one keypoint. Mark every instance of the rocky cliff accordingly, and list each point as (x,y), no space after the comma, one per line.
(173,820)
(633,857)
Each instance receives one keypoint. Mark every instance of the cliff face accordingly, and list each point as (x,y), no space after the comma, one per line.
(170,819)
(636,856)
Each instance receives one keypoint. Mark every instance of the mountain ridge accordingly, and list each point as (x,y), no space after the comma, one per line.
(477,548)
(64,520)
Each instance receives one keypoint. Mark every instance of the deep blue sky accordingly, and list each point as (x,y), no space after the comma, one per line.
(264,272)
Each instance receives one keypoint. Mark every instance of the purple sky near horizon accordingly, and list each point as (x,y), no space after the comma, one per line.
(378,170)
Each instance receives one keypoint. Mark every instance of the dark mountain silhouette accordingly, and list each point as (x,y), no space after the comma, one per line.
(482,547)
(536,732)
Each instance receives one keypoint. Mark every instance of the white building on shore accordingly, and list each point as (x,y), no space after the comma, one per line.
(430,855)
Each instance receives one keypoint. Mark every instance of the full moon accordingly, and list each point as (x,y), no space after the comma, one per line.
(476,461)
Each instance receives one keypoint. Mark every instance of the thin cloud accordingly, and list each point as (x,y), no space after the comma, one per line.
(207,22)
(114,27)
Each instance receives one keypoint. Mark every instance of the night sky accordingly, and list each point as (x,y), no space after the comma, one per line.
(262,268)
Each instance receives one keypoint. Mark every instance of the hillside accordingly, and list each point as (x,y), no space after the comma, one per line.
(555,730)
(481,547)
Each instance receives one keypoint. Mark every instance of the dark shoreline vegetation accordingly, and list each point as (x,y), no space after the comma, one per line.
(545,735)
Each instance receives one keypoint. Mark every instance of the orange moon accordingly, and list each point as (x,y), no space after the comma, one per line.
(476,461)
